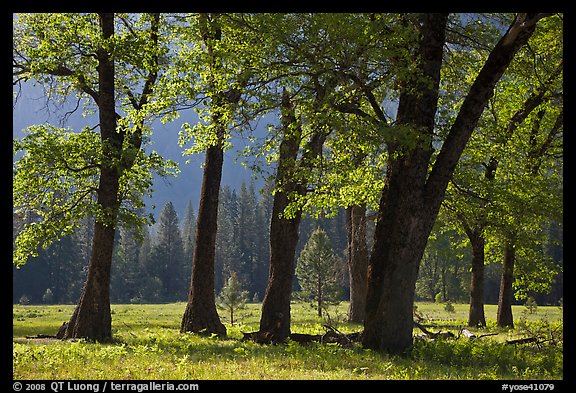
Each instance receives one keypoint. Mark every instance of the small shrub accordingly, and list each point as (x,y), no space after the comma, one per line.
(439,298)
(48,296)
(531,305)
(24,300)
(232,297)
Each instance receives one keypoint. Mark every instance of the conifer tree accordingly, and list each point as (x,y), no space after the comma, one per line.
(167,257)
(318,270)
(189,233)
(232,297)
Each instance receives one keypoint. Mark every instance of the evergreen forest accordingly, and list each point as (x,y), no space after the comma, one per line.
(153,267)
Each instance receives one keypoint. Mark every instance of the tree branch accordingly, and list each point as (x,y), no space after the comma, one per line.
(480,92)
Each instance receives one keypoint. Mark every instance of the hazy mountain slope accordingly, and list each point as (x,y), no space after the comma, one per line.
(31,108)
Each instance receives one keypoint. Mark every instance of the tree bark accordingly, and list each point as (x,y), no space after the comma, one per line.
(476,315)
(357,262)
(200,314)
(91,318)
(504,315)
(404,220)
(411,197)
(275,319)
(399,241)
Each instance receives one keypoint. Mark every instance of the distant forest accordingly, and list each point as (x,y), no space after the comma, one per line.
(154,266)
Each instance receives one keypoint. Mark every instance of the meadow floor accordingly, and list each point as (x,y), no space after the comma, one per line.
(148,346)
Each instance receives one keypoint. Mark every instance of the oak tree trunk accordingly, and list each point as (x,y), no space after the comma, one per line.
(91,318)
(357,262)
(406,212)
(476,315)
(200,314)
(504,315)
(275,318)
(411,196)
(400,238)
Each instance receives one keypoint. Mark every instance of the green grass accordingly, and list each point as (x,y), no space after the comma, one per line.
(148,345)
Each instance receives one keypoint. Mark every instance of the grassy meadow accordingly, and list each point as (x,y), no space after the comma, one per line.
(148,345)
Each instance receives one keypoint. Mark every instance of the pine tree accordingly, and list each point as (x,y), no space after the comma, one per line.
(126,271)
(247,235)
(167,257)
(318,270)
(227,254)
(232,297)
(261,229)
(189,234)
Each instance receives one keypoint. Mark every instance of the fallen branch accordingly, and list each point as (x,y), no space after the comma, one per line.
(487,334)
(39,336)
(59,335)
(522,340)
(431,335)
(303,338)
(468,334)
(332,335)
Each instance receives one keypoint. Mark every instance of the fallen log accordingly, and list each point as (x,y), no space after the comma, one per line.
(303,338)
(39,336)
(332,335)
(59,335)
(487,335)
(468,334)
(522,340)
(434,335)
(257,337)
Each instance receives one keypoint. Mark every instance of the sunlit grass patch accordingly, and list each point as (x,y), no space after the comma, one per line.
(148,345)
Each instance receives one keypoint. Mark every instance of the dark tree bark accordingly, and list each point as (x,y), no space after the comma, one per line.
(200,314)
(357,261)
(91,318)
(404,222)
(411,196)
(275,319)
(476,315)
(504,315)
